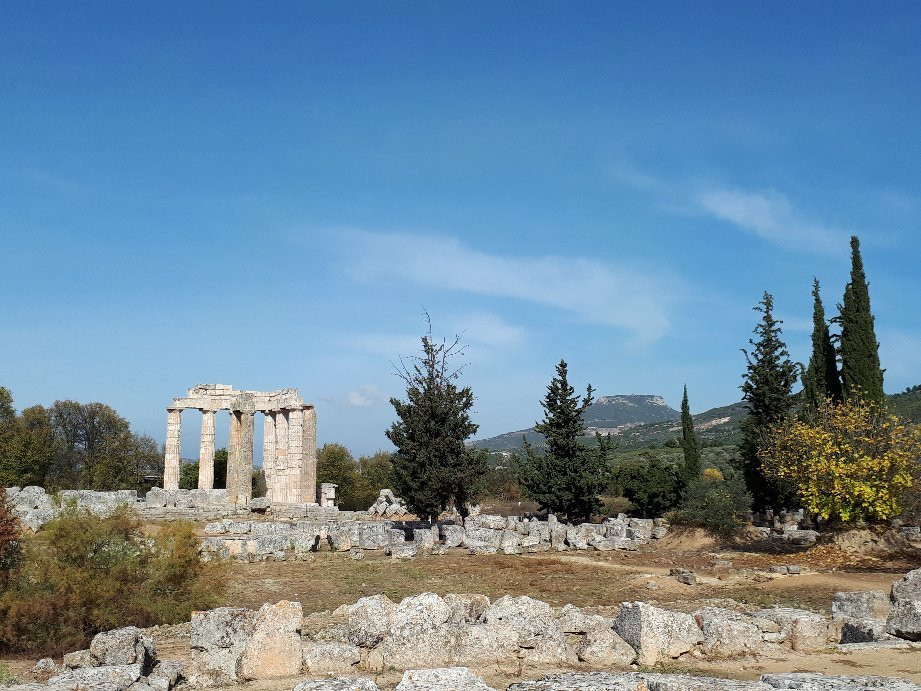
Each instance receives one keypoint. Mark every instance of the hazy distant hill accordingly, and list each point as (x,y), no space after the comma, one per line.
(642,421)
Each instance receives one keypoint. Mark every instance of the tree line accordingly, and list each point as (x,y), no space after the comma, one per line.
(72,445)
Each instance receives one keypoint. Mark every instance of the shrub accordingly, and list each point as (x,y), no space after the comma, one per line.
(854,461)
(650,484)
(715,502)
(83,574)
(10,541)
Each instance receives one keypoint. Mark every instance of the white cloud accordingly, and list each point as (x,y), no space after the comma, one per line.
(487,329)
(771,216)
(365,397)
(595,292)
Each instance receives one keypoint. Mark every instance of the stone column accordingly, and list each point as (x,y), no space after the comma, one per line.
(206,451)
(309,446)
(171,460)
(295,457)
(240,458)
(281,457)
(268,454)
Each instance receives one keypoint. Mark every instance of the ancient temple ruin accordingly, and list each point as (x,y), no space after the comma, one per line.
(289,450)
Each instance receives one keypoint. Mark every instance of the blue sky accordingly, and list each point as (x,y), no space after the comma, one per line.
(269,195)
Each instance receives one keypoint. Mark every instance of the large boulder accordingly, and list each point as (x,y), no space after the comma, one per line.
(369,620)
(274,647)
(907,588)
(331,658)
(108,678)
(219,638)
(727,633)
(539,634)
(419,633)
(655,633)
(904,620)
(445,679)
(453,535)
(861,604)
(126,646)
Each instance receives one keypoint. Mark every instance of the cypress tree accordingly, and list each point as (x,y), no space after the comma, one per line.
(432,467)
(567,477)
(767,391)
(690,443)
(860,370)
(821,379)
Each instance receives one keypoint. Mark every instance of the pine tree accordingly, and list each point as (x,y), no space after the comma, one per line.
(767,392)
(566,478)
(821,379)
(689,443)
(860,369)
(432,467)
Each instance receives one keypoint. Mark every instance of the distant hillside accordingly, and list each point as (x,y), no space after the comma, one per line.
(609,414)
(643,421)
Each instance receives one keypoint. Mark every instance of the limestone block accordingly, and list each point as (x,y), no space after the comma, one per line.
(396,536)
(274,647)
(508,539)
(904,621)
(485,645)
(477,537)
(218,528)
(423,537)
(338,684)
(602,646)
(538,631)
(908,587)
(467,608)
(490,522)
(540,530)
(445,679)
(806,631)
(373,535)
(640,528)
(36,518)
(125,646)
(801,537)
(573,620)
(861,604)
(659,532)
(408,550)
(602,681)
(108,678)
(219,638)
(453,535)
(165,675)
(811,681)
(369,620)
(331,658)
(419,633)
(79,658)
(615,529)
(655,633)
(340,539)
(727,633)
(576,538)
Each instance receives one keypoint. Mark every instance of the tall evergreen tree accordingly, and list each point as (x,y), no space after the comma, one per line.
(860,369)
(767,391)
(566,478)
(821,379)
(689,442)
(432,467)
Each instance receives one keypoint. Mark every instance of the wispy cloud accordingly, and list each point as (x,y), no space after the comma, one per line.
(770,215)
(628,298)
(362,397)
(487,329)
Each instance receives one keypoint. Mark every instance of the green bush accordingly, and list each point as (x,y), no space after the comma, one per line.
(714,502)
(83,574)
(650,483)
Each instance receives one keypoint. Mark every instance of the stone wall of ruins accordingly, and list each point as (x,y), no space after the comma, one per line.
(289,442)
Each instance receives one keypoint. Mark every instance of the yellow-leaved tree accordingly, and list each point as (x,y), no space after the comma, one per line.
(853,461)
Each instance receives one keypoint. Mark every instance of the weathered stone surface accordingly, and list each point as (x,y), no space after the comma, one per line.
(602,646)
(861,604)
(219,637)
(467,608)
(601,681)
(445,679)
(274,647)
(408,550)
(79,658)
(908,587)
(369,620)
(419,633)
(109,678)
(655,633)
(727,633)
(806,631)
(538,632)
(904,620)
(338,684)
(126,646)
(809,681)
(453,535)
(331,658)
(485,645)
